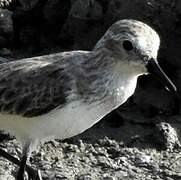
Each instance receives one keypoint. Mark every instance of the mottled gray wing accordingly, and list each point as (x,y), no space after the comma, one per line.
(31,87)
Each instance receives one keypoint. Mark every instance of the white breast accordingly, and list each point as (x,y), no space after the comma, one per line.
(61,123)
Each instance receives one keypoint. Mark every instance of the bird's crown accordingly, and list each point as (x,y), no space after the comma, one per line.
(132,34)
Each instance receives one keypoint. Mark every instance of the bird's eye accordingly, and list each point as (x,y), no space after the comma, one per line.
(127,45)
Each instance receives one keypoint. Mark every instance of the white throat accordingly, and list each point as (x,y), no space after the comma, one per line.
(124,80)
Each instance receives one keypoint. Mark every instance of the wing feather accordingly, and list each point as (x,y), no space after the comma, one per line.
(32,87)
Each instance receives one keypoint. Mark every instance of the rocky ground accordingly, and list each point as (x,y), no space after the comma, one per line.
(140,140)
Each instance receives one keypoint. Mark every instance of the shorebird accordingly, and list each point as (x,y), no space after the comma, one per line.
(61,95)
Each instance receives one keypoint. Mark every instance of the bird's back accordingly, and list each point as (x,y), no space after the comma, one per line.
(34,86)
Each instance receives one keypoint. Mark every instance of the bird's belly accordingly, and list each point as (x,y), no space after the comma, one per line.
(71,120)
(61,123)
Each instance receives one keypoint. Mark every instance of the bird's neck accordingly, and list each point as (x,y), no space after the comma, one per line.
(122,83)
(111,80)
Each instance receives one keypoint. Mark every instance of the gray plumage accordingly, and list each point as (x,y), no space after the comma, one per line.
(35,86)
(63,94)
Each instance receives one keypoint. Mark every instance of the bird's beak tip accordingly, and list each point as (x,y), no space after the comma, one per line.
(154,68)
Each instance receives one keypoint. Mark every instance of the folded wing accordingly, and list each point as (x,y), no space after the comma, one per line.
(32,87)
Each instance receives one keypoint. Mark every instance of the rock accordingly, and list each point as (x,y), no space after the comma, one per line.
(178,6)
(84,177)
(56,12)
(103,162)
(5,3)
(142,160)
(86,10)
(59,176)
(118,9)
(167,136)
(6,27)
(4,52)
(6,176)
(108,178)
(83,23)
(28,35)
(28,4)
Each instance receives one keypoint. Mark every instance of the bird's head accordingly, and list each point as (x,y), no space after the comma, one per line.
(136,44)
